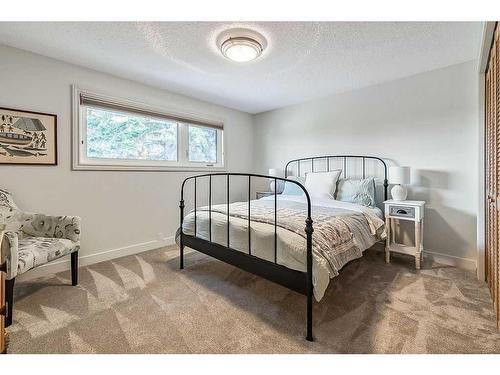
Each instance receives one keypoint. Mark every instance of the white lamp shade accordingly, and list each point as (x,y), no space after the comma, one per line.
(399,175)
(275,172)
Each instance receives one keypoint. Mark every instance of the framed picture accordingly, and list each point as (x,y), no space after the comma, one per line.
(27,137)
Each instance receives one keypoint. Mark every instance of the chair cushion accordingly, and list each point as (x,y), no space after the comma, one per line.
(35,251)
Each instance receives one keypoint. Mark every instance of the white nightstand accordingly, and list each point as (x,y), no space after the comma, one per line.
(404,210)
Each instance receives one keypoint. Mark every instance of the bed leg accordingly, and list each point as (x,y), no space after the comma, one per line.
(309,287)
(181,242)
(181,257)
(309,336)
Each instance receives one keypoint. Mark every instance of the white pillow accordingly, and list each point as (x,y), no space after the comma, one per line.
(322,184)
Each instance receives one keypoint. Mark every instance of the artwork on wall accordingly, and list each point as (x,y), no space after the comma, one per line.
(27,137)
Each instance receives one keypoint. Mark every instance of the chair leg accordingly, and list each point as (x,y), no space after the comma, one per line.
(74,268)
(9,300)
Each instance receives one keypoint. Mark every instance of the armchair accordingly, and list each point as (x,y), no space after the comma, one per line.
(31,240)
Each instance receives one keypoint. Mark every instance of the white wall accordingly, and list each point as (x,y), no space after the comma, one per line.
(118,209)
(428,121)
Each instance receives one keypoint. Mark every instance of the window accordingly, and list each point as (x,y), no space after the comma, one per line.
(118,135)
(114,134)
(202,144)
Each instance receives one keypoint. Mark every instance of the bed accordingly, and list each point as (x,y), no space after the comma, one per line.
(300,241)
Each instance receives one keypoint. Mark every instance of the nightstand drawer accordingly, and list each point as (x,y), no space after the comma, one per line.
(402,211)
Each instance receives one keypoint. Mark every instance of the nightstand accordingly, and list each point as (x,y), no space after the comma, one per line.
(410,211)
(262,194)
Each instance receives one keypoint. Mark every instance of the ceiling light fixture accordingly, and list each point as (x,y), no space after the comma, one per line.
(241,45)
(241,49)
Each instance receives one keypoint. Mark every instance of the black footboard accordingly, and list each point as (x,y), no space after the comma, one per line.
(292,279)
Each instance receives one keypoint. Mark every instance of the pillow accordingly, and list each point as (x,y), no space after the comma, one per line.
(322,184)
(293,189)
(361,191)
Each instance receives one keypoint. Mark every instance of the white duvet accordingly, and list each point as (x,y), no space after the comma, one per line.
(291,247)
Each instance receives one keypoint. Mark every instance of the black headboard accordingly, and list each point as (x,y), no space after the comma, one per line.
(325,163)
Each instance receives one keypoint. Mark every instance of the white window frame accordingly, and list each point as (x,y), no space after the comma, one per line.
(80,161)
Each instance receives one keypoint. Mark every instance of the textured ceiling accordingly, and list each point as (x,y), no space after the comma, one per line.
(303,60)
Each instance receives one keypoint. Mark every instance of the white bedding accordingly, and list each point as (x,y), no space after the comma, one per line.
(291,247)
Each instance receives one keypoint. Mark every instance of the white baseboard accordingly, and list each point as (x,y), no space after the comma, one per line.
(450,260)
(64,263)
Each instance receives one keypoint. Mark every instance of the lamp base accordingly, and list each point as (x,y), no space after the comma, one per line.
(399,193)
(279,184)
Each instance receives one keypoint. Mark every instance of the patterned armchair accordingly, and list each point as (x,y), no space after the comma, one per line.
(31,240)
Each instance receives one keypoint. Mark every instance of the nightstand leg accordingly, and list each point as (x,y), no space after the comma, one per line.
(388,224)
(394,225)
(418,240)
(422,236)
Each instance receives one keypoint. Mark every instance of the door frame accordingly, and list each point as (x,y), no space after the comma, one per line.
(484,54)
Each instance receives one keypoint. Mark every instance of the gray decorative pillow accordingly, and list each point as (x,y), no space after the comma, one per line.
(359,191)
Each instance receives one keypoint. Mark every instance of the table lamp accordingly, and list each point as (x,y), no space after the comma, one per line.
(399,176)
(275,172)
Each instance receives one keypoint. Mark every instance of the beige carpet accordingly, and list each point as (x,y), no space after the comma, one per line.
(145,304)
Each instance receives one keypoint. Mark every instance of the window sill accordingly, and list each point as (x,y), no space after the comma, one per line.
(133,168)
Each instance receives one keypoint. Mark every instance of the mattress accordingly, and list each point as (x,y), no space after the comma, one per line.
(342,231)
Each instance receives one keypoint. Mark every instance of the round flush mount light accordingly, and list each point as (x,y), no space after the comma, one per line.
(241,45)
(241,49)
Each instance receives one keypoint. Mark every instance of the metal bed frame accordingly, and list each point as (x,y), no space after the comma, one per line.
(295,280)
